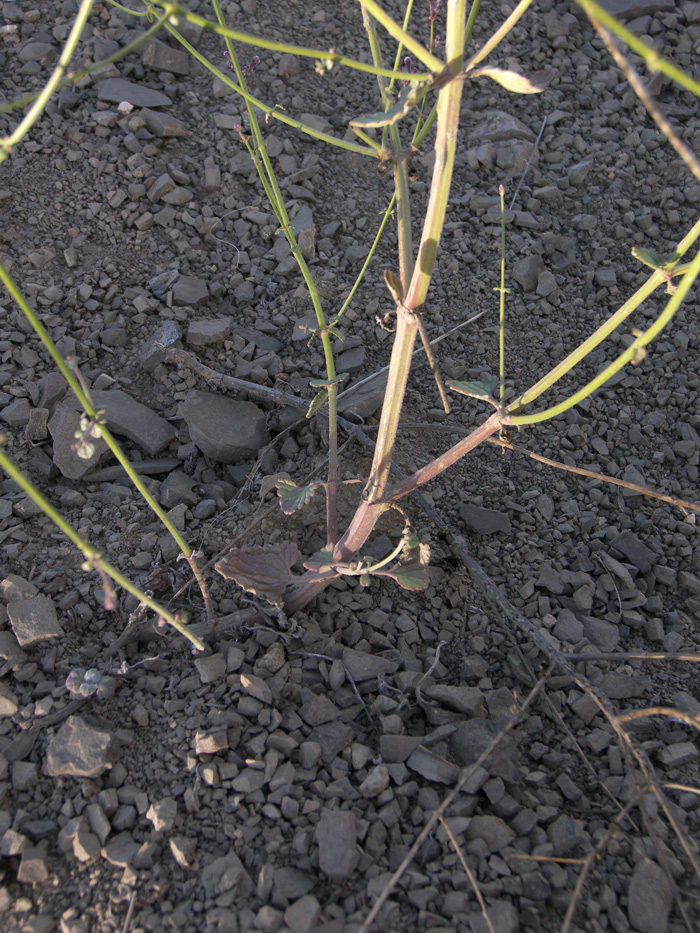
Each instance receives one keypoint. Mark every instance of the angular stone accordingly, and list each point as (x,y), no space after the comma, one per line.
(153,351)
(119,89)
(211,668)
(224,874)
(210,743)
(63,425)
(566,835)
(620,686)
(484,521)
(493,830)
(527,270)
(8,701)
(301,916)
(225,430)
(364,399)
(337,850)
(121,850)
(183,849)
(17,413)
(602,634)
(161,186)
(127,417)
(631,9)
(34,620)
(208,333)
(649,898)
(396,748)
(503,917)
(290,883)
(163,814)
(376,782)
(79,750)
(32,868)
(177,489)
(364,666)
(190,291)
(499,126)
(467,700)
(164,124)
(256,687)
(473,737)
(319,709)
(432,767)
(162,57)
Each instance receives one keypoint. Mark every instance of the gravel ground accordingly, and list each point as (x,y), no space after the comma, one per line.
(277,781)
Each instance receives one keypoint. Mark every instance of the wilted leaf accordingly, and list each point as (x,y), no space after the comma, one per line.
(265,572)
(293,497)
(515,82)
(321,560)
(326,383)
(317,404)
(477,389)
(411,576)
(409,97)
(393,283)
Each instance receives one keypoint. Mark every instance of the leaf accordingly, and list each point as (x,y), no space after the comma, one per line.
(293,497)
(481,389)
(393,283)
(409,97)
(263,571)
(515,82)
(317,404)
(651,258)
(322,560)
(410,576)
(326,383)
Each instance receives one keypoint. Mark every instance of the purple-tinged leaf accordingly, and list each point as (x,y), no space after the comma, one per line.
(320,561)
(293,497)
(265,572)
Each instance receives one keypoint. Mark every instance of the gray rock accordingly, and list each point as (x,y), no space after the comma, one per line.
(363,666)
(350,360)
(503,918)
(338,854)
(79,750)
(396,748)
(163,57)
(225,430)
(42,52)
(289,884)
(191,291)
(467,700)
(602,634)
(153,351)
(164,124)
(649,899)
(637,553)
(527,270)
(302,915)
(620,686)
(121,850)
(163,814)
(566,835)
(8,701)
(63,424)
(484,521)
(34,620)
(631,9)
(568,627)
(432,767)
(177,489)
(208,333)
(225,874)
(499,126)
(119,89)
(493,830)
(579,172)
(17,413)
(363,400)
(472,737)
(129,418)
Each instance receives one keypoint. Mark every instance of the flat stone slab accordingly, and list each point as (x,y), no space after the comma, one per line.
(484,521)
(79,750)
(34,620)
(224,429)
(336,836)
(119,89)
(131,419)
(631,9)
(63,424)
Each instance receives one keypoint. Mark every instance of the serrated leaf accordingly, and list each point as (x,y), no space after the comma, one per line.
(326,383)
(265,572)
(651,258)
(293,497)
(410,576)
(482,388)
(317,404)
(322,560)
(515,82)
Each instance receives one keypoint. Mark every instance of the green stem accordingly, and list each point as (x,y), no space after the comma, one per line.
(93,558)
(175,11)
(40,103)
(412,45)
(502,309)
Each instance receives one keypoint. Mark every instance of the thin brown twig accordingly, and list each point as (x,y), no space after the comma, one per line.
(469,873)
(435,816)
(545,858)
(689,720)
(432,363)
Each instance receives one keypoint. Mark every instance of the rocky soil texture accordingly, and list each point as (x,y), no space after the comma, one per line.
(276,782)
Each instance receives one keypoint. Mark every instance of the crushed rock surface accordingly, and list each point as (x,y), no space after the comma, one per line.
(278,780)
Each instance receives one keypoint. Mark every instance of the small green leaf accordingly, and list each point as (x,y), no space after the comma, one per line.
(293,497)
(515,82)
(656,260)
(327,383)
(317,404)
(477,389)
(321,560)
(410,576)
